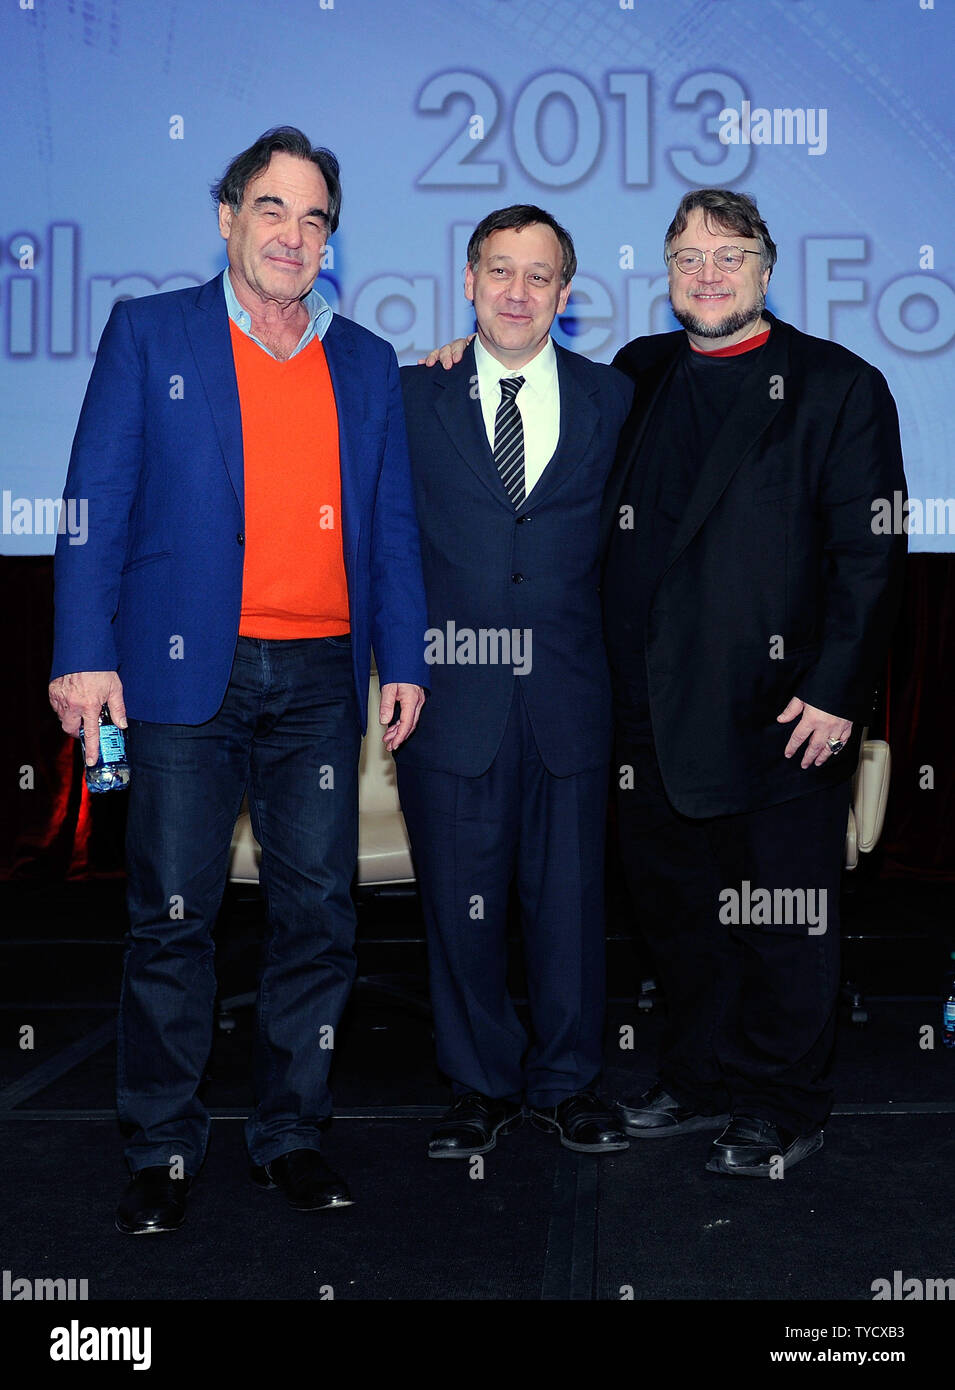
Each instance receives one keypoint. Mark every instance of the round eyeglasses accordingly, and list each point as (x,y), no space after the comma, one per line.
(692,261)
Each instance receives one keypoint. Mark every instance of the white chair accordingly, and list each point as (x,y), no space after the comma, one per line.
(870,792)
(867,802)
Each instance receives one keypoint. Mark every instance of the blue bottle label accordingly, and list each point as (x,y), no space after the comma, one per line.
(948,1014)
(112,744)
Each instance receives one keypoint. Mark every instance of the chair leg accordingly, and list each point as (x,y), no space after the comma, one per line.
(648,994)
(851,995)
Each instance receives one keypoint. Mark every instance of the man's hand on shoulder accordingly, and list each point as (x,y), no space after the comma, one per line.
(78,699)
(411,700)
(448,355)
(818,727)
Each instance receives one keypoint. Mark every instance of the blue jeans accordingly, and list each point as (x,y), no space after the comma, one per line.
(288,731)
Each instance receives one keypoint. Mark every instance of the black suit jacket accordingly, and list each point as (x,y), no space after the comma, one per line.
(776,542)
(536,569)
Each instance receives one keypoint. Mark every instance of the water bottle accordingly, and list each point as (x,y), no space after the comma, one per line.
(110,772)
(948,1011)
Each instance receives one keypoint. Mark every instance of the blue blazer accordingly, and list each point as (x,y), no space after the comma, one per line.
(158,458)
(535,569)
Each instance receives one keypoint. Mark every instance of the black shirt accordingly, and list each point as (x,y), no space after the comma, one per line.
(682,427)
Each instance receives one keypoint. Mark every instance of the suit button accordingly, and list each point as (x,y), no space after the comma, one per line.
(240,538)
(517,579)
(522,519)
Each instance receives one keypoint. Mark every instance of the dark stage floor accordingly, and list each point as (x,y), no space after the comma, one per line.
(541,1224)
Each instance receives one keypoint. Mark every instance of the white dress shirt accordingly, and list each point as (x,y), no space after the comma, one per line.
(538,400)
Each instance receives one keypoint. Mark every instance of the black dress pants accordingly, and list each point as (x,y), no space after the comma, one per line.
(750,977)
(470,837)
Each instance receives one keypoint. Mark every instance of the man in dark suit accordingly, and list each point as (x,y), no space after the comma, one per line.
(506,776)
(748,602)
(252,530)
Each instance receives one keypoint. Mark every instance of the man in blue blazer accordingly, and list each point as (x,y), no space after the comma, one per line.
(507,776)
(243,453)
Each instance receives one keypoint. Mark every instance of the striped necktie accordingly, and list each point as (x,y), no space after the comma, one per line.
(509,440)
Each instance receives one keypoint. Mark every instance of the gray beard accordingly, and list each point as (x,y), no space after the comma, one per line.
(741,318)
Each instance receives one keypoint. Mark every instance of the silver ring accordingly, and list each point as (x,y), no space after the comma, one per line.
(835,745)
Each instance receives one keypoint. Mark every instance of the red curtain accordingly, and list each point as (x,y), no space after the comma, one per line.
(919,836)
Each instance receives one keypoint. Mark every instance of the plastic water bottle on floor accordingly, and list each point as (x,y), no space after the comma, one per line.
(110,772)
(948,1010)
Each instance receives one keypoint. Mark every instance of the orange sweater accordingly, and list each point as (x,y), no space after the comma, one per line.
(293,580)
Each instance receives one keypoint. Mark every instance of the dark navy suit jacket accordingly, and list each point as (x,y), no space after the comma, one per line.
(158,457)
(536,569)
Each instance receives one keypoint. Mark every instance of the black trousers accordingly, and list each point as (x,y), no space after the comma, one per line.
(471,836)
(751,978)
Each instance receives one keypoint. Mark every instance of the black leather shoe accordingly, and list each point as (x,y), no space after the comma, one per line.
(584,1123)
(153,1202)
(472,1125)
(753,1148)
(305,1178)
(656,1115)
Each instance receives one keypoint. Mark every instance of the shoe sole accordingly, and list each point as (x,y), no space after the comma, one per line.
(549,1126)
(504,1127)
(592,1148)
(325,1206)
(146,1230)
(701,1122)
(800,1150)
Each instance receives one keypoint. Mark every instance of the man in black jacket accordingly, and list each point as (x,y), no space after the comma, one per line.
(748,601)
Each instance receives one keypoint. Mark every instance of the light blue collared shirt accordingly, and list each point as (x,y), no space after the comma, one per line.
(319,316)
